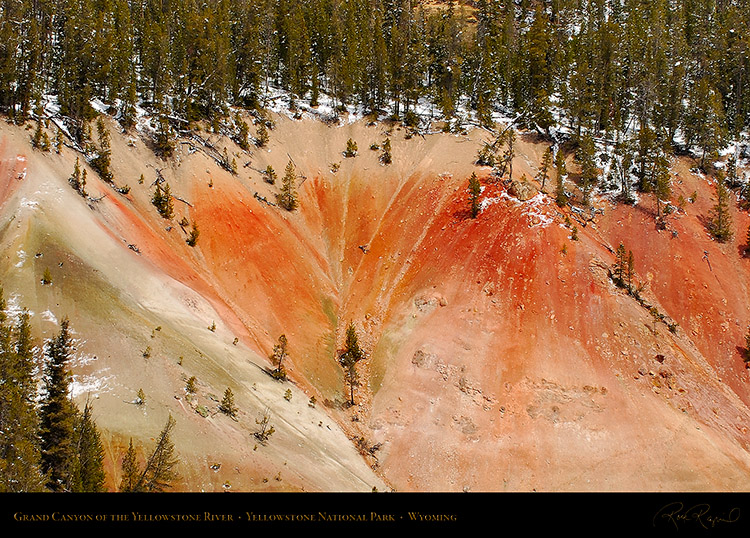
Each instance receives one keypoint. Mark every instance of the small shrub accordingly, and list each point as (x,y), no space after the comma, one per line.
(351,148)
(190,386)
(288,395)
(46,277)
(193,236)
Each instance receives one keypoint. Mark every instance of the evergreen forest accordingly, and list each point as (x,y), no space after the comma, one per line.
(679,68)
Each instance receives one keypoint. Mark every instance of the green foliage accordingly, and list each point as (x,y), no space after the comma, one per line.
(46,277)
(227,404)
(351,148)
(193,236)
(242,131)
(78,180)
(160,471)
(262,135)
(20,455)
(288,395)
(58,414)
(543,174)
(720,224)
(269,175)
(486,155)
(385,156)
(88,469)
(162,200)
(103,160)
(130,470)
(349,358)
(560,197)
(474,191)
(191,386)
(278,356)
(287,198)
(265,428)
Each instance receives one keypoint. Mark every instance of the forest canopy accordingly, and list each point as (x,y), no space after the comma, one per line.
(680,67)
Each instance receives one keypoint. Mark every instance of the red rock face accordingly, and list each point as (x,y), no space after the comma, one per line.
(500,355)
(496,361)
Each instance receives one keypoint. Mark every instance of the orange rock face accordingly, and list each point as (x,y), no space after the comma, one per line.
(500,355)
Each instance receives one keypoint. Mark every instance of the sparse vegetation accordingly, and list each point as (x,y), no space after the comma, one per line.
(103,159)
(46,277)
(269,175)
(159,472)
(351,148)
(191,386)
(262,135)
(277,358)
(162,200)
(192,238)
(386,157)
(265,428)
(287,198)
(227,404)
(474,191)
(720,224)
(349,358)
(78,180)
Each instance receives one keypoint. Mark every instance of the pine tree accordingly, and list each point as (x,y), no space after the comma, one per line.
(620,265)
(278,356)
(192,239)
(544,169)
(351,148)
(103,159)
(269,175)
(560,197)
(474,191)
(720,224)
(509,153)
(288,196)
(662,185)
(20,458)
(349,358)
(77,181)
(589,171)
(88,473)
(242,132)
(130,471)
(162,200)
(159,472)
(386,157)
(58,414)
(262,135)
(227,404)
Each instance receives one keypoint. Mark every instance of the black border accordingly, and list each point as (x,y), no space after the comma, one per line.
(660,513)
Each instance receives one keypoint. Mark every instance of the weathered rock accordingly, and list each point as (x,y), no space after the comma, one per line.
(523,190)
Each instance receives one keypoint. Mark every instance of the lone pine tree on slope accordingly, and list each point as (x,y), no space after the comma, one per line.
(287,198)
(349,358)
(474,191)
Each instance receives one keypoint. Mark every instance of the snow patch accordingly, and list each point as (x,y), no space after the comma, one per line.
(89,384)
(49,316)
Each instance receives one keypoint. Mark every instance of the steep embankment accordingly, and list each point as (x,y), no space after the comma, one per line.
(500,354)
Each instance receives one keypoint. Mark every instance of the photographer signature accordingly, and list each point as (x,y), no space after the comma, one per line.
(699,514)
